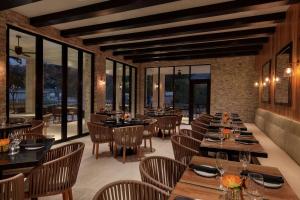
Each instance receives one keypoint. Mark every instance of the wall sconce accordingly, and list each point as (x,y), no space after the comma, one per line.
(156,86)
(120,86)
(267,80)
(264,84)
(101,82)
(256,84)
(288,72)
(276,79)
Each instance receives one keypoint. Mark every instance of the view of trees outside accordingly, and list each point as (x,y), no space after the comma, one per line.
(175,86)
(21,62)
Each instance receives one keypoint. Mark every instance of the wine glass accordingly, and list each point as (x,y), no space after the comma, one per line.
(254,186)
(221,157)
(245,158)
(221,135)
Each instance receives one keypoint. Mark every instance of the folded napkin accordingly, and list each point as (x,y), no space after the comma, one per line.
(202,168)
(214,130)
(183,198)
(33,143)
(236,119)
(246,133)
(267,178)
(217,118)
(247,141)
(216,138)
(215,121)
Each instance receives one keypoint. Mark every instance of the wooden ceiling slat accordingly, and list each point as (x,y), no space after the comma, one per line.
(8,4)
(94,10)
(180,47)
(189,29)
(201,56)
(195,38)
(196,52)
(223,8)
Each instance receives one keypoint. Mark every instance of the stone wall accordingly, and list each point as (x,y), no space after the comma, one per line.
(18,20)
(232,84)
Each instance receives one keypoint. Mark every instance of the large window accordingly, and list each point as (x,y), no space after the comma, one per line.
(120,87)
(171,87)
(62,96)
(22,64)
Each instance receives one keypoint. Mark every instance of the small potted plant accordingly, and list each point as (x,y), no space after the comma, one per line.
(4,145)
(233,185)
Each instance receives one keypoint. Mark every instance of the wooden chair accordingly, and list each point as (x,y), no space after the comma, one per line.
(203,121)
(58,173)
(167,124)
(37,127)
(98,118)
(178,122)
(12,188)
(184,148)
(131,136)
(32,136)
(199,123)
(130,190)
(140,116)
(16,120)
(100,134)
(149,131)
(192,133)
(46,119)
(198,127)
(162,172)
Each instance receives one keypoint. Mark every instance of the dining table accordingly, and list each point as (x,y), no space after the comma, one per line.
(193,186)
(7,128)
(27,157)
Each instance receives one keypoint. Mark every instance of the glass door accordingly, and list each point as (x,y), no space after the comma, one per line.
(199,98)
(72,93)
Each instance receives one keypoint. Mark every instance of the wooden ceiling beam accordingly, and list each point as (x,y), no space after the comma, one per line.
(188,29)
(94,10)
(196,52)
(189,57)
(223,8)
(8,4)
(180,47)
(195,38)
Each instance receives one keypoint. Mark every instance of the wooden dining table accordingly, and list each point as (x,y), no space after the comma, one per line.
(194,186)
(232,147)
(25,158)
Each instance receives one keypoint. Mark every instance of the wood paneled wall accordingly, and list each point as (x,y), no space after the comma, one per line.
(286,32)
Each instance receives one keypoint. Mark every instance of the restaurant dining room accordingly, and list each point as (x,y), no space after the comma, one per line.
(150,99)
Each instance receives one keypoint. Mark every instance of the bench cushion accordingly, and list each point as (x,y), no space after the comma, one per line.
(284,131)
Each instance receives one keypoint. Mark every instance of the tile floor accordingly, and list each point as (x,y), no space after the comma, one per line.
(94,174)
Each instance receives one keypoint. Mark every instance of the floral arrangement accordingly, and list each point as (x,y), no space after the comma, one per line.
(226,133)
(231,181)
(4,144)
(225,118)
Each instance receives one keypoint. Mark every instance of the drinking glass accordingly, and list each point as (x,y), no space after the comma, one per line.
(254,186)
(221,157)
(245,158)
(221,136)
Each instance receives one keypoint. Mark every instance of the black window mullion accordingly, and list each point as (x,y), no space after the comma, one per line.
(130,88)
(39,78)
(114,84)
(135,93)
(92,83)
(64,118)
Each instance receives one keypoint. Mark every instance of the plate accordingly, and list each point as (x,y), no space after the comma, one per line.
(246,143)
(34,148)
(212,140)
(205,174)
(268,185)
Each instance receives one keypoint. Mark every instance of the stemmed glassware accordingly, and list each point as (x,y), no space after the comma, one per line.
(221,157)
(245,159)
(14,145)
(221,136)
(255,186)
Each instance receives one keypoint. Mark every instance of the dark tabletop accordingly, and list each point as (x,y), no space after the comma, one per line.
(123,124)
(25,158)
